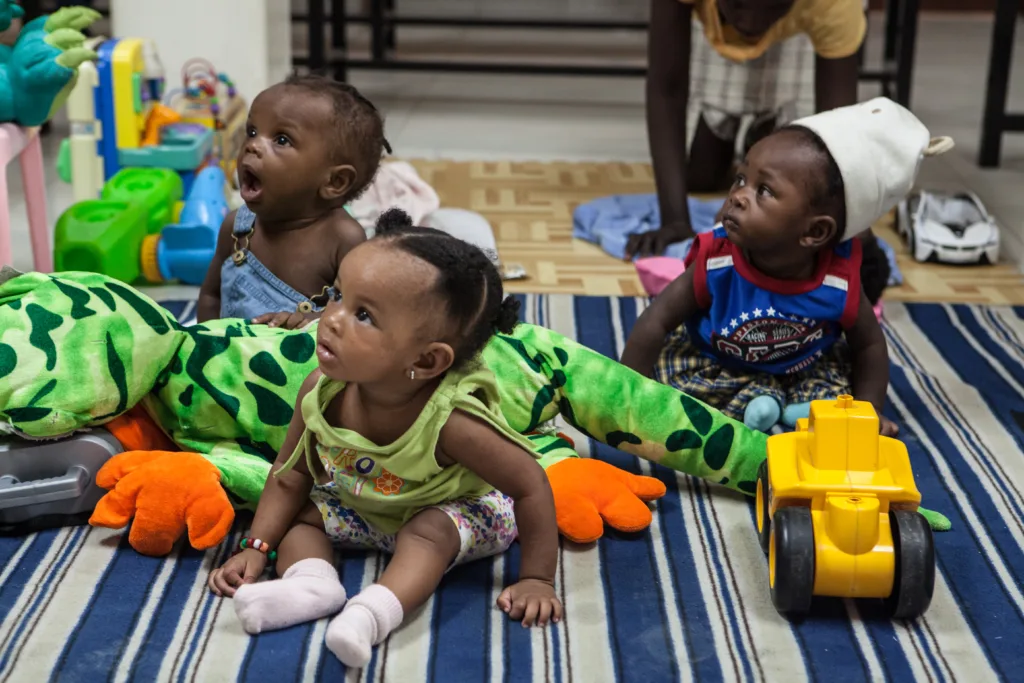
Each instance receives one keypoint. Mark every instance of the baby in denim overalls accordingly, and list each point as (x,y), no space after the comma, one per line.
(312,145)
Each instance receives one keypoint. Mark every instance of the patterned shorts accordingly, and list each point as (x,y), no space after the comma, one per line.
(684,366)
(487,525)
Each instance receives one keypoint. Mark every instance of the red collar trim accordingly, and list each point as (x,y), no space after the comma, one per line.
(756,277)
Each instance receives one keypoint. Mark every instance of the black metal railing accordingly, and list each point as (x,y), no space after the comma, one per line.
(997,121)
(895,75)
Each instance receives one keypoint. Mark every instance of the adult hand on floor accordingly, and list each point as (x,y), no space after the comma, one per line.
(166,493)
(654,242)
(590,492)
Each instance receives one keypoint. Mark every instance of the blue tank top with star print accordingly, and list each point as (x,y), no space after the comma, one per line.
(751,321)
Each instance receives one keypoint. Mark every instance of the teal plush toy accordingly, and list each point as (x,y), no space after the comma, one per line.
(39,71)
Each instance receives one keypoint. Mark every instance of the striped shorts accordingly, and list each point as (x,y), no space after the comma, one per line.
(685,367)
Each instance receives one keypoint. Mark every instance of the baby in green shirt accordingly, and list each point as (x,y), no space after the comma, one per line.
(397,443)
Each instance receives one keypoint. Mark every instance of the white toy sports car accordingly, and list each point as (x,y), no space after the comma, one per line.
(948,228)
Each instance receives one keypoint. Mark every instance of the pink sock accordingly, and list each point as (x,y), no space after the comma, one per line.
(308,591)
(366,621)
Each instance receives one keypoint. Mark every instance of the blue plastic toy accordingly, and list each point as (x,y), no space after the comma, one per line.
(184,251)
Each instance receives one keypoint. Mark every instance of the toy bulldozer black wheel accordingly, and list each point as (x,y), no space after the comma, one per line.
(761,510)
(791,560)
(914,579)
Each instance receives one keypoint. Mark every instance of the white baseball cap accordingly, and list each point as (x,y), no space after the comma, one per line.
(878,146)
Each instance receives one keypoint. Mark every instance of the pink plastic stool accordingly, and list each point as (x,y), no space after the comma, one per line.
(24,144)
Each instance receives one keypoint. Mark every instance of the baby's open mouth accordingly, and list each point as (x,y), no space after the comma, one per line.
(249,184)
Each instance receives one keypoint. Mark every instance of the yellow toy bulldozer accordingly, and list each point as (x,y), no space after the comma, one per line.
(837,514)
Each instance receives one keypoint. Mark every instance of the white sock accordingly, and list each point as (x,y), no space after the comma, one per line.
(366,621)
(308,591)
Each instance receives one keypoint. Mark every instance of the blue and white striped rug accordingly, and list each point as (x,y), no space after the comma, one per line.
(687,601)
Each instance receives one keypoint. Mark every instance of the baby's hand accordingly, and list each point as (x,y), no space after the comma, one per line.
(531,600)
(284,320)
(245,567)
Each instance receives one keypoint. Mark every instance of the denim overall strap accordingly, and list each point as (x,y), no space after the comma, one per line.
(249,289)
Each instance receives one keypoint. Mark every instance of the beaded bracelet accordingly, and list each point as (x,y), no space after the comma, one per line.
(257,544)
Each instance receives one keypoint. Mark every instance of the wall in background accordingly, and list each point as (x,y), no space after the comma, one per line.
(250,40)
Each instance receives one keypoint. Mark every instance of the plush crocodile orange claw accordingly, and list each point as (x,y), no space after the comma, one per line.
(590,492)
(137,431)
(166,493)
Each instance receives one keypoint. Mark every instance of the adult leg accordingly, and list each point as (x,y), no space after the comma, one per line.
(424,548)
(309,587)
(761,126)
(712,153)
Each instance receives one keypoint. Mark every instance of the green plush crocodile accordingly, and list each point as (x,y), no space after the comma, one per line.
(79,349)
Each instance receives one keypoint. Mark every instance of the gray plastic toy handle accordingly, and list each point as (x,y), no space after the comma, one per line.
(18,494)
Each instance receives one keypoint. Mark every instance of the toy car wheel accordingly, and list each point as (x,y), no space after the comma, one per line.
(762,506)
(791,560)
(914,579)
(902,219)
(919,251)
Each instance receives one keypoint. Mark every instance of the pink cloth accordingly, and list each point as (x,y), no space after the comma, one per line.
(657,272)
(396,185)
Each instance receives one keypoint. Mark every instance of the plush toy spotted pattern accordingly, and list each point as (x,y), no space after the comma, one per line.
(79,350)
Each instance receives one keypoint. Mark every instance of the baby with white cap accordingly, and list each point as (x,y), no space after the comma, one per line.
(770,313)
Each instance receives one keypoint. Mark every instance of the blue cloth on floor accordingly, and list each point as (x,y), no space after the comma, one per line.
(895,276)
(609,221)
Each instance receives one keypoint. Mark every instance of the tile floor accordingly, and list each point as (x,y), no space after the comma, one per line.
(462,116)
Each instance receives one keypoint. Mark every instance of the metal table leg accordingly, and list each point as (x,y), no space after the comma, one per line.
(339,39)
(317,48)
(378,38)
(995,121)
(389,32)
(907,50)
